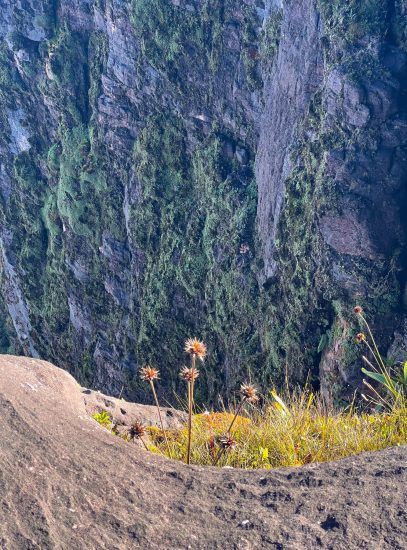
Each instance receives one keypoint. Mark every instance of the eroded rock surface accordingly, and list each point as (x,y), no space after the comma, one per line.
(123,414)
(67,483)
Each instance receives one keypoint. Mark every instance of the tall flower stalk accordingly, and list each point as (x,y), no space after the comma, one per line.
(197,350)
(149,374)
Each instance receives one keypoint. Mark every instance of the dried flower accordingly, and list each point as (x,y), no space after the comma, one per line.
(137,430)
(189,375)
(358,310)
(196,348)
(249,393)
(227,443)
(360,338)
(149,374)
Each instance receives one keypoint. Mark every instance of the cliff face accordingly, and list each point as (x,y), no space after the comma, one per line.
(235,170)
(331,173)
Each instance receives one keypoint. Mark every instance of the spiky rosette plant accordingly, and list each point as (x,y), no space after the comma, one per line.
(138,431)
(227,443)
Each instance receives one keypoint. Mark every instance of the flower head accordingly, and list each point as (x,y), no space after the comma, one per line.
(195,348)
(149,374)
(249,393)
(227,442)
(189,375)
(358,310)
(360,337)
(137,430)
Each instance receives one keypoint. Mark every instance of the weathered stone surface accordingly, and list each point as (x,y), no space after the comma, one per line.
(347,236)
(67,483)
(296,75)
(124,413)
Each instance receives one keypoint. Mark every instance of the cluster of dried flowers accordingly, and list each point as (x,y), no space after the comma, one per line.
(196,349)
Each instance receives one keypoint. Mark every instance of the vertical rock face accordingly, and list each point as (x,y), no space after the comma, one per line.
(128,138)
(295,77)
(331,173)
(235,170)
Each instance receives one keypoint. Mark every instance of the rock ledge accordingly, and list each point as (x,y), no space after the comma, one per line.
(66,483)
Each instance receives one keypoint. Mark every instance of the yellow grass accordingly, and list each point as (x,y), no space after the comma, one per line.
(296,431)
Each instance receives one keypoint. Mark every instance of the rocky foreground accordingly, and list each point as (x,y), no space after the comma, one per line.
(66,483)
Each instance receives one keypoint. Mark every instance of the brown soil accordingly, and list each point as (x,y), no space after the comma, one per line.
(66,483)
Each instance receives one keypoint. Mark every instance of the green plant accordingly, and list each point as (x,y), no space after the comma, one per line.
(291,429)
(104,419)
(271,38)
(354,19)
(393,380)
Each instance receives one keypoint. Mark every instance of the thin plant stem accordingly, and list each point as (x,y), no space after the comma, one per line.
(379,357)
(239,408)
(381,370)
(190,409)
(189,421)
(389,384)
(160,417)
(381,399)
(193,365)
(144,443)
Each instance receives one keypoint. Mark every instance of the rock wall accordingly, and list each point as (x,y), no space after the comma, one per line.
(331,198)
(234,170)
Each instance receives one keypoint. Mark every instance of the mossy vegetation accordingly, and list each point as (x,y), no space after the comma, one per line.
(305,301)
(187,238)
(173,37)
(191,222)
(355,19)
(270,39)
(62,190)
